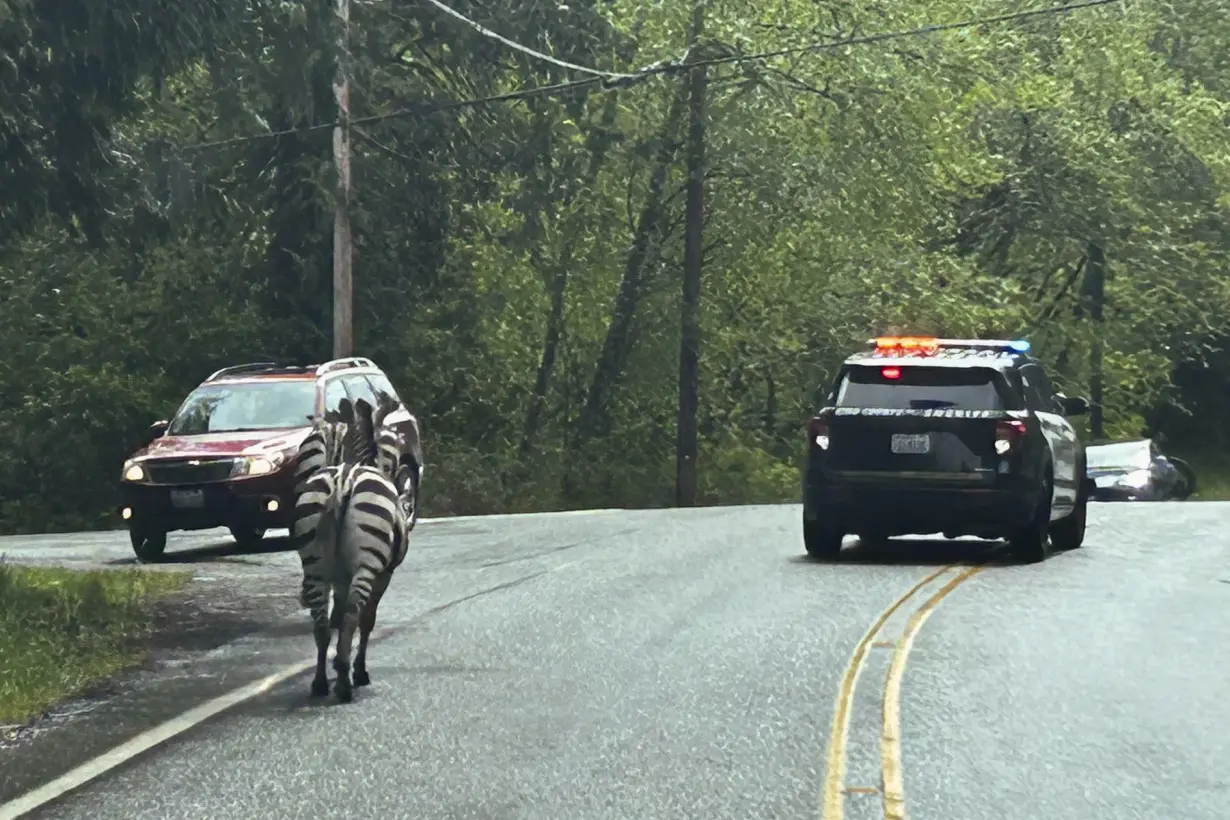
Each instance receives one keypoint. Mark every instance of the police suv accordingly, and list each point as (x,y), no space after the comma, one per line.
(960,437)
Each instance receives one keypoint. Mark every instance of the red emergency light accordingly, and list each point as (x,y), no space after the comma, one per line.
(908,345)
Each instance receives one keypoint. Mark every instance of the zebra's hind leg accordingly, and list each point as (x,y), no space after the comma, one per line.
(345,639)
(340,591)
(316,597)
(320,683)
(367,622)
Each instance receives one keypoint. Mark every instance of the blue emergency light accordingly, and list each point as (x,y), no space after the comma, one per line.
(929,345)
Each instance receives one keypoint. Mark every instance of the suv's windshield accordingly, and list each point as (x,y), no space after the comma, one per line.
(1122,455)
(240,406)
(922,388)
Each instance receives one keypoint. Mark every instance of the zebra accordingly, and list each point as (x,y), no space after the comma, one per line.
(351,536)
(355,429)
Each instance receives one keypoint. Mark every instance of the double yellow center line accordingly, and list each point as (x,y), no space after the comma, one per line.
(892,788)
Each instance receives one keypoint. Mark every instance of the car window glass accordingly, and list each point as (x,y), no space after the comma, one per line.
(1042,382)
(228,407)
(334,393)
(359,388)
(381,384)
(918,387)
(1033,397)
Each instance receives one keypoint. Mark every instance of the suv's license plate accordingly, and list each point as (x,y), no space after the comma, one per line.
(193,499)
(911,445)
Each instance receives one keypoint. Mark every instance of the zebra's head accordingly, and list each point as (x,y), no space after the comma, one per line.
(358,444)
(321,448)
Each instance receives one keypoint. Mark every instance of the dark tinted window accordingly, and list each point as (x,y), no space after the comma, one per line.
(923,388)
(1043,383)
(1038,392)
(1033,396)
(241,406)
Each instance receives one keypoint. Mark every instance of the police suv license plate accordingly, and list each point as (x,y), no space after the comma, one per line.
(914,445)
(189,499)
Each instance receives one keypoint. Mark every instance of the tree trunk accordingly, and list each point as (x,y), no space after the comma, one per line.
(1096,290)
(594,415)
(556,282)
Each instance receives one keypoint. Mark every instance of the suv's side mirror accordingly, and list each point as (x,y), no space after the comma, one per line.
(1074,406)
(159,428)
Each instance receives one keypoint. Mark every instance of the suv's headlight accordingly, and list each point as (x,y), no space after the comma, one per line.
(259,465)
(133,472)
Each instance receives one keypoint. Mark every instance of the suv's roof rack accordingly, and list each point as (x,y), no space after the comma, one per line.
(241,368)
(254,368)
(343,364)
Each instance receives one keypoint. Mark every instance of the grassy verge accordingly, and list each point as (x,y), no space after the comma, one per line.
(61,630)
(1212,475)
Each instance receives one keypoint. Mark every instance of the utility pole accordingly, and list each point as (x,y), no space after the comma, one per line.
(1096,290)
(686,441)
(343,282)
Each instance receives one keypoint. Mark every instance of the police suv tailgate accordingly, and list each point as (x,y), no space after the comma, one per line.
(914,443)
(919,421)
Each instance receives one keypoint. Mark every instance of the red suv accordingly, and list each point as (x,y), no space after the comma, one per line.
(227,458)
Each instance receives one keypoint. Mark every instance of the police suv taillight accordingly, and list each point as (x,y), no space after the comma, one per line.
(1008,436)
(818,432)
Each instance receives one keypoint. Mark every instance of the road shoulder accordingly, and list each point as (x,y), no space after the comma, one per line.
(215,636)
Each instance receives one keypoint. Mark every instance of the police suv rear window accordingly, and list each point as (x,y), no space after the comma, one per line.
(915,387)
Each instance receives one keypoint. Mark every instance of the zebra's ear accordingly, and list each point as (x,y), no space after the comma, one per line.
(345,411)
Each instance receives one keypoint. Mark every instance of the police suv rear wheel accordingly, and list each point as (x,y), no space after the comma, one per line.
(1032,542)
(822,539)
(1069,533)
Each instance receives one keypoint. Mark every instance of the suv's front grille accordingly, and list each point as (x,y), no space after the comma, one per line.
(189,471)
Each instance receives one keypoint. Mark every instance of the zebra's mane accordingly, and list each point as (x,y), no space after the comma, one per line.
(332,432)
(363,423)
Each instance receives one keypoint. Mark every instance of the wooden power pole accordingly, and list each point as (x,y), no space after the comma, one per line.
(686,441)
(1096,290)
(343,282)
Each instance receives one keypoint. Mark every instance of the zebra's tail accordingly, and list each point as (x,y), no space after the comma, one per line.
(369,534)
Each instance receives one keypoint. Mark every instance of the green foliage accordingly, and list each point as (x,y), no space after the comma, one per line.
(517,265)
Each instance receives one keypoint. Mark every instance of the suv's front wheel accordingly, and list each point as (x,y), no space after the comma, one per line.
(148,546)
(407,483)
(247,537)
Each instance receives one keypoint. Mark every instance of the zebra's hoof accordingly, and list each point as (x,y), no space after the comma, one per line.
(361,678)
(320,688)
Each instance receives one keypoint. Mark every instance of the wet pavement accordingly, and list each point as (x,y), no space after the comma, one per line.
(688,663)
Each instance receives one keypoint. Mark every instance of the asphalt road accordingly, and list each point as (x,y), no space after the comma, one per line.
(680,664)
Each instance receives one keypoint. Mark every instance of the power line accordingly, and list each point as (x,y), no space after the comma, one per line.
(607,81)
(486,32)
(888,35)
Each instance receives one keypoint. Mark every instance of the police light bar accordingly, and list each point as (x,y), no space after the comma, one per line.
(928,345)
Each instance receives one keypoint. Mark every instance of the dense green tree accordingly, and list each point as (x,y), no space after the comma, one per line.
(166,196)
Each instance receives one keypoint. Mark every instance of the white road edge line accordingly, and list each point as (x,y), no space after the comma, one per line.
(145,741)
(126,751)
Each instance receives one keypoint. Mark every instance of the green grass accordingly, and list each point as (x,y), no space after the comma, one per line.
(1212,475)
(62,630)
